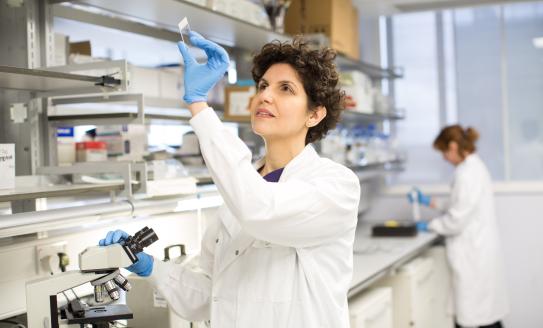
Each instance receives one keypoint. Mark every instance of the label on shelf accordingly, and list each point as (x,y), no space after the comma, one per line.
(7,166)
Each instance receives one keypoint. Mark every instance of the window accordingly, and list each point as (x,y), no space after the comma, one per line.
(479,67)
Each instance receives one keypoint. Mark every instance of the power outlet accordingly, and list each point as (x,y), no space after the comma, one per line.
(47,259)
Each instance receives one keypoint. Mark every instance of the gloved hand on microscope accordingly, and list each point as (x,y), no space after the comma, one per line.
(143,267)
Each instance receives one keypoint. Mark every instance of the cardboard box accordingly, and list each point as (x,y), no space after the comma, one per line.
(237,102)
(337,19)
(7,166)
(354,51)
(81,48)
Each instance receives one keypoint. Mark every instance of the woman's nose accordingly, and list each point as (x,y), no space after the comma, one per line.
(265,96)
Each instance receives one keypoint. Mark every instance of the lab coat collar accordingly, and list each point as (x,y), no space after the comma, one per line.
(469,159)
(307,155)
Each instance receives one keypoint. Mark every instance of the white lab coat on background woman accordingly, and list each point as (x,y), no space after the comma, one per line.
(280,254)
(473,246)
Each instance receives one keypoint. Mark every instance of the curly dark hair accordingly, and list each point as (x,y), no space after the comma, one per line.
(318,73)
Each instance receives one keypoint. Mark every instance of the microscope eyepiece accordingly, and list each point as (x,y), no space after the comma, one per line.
(136,243)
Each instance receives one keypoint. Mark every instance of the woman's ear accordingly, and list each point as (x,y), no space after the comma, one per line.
(316,116)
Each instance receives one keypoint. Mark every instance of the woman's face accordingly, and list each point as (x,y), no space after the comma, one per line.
(452,155)
(279,109)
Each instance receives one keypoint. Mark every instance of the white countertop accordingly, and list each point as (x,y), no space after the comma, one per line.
(374,257)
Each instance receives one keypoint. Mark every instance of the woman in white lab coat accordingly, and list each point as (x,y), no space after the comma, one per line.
(469,225)
(280,253)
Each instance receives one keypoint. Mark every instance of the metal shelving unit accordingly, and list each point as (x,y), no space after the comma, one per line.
(24,191)
(354,116)
(46,82)
(159,18)
(119,109)
(385,165)
(373,71)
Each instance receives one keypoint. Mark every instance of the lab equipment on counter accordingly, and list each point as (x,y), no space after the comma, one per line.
(416,195)
(394,228)
(98,265)
(415,204)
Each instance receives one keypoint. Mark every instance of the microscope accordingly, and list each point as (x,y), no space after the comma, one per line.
(98,265)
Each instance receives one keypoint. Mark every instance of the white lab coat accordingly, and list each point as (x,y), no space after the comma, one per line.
(280,254)
(473,246)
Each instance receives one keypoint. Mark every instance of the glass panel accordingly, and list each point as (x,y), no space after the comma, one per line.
(523,24)
(478,80)
(415,50)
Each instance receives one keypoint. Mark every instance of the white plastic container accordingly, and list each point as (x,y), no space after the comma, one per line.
(7,166)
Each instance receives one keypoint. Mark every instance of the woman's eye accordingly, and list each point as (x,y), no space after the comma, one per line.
(261,86)
(286,88)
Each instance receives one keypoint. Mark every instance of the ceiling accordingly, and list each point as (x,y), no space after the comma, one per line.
(390,7)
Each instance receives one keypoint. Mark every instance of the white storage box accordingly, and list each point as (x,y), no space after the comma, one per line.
(91,151)
(165,83)
(359,88)
(145,81)
(244,10)
(124,142)
(7,166)
(66,153)
(171,83)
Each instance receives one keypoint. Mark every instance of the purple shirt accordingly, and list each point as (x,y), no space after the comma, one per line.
(274,175)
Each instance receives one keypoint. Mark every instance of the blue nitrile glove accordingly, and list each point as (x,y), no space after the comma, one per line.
(200,78)
(422,226)
(143,267)
(421,198)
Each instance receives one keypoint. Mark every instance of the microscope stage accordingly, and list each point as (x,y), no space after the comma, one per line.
(97,314)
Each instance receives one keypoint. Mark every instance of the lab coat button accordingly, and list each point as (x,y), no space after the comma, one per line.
(217,241)
(237,252)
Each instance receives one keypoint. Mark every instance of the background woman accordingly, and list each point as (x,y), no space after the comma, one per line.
(468,223)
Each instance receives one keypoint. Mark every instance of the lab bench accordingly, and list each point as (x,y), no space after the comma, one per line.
(376,257)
